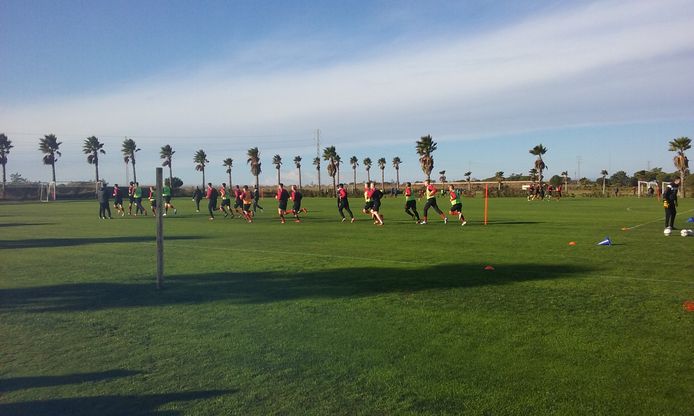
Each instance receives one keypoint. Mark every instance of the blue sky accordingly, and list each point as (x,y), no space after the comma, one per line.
(608,82)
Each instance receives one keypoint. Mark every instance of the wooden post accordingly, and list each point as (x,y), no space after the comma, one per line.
(486,202)
(160,228)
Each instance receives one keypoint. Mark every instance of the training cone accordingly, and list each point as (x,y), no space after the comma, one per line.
(605,242)
(690,219)
(490,268)
(688,305)
(625,228)
(572,243)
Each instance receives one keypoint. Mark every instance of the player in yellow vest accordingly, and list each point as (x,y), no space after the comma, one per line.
(431,192)
(456,204)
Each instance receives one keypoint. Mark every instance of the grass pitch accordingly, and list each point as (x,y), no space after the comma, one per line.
(333,318)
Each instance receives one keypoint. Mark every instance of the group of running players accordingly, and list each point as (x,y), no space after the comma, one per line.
(135,195)
(246,202)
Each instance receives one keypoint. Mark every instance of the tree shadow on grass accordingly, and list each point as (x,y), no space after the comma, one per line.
(116,405)
(24,224)
(264,287)
(20,383)
(69,242)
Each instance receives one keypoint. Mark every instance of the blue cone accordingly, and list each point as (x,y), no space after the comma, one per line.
(605,242)
(690,219)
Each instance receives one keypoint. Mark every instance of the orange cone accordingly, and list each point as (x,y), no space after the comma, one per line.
(572,243)
(688,305)
(490,268)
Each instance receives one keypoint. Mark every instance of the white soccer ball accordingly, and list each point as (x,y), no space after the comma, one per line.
(667,232)
(684,233)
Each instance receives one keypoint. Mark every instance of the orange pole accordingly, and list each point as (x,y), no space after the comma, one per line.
(486,202)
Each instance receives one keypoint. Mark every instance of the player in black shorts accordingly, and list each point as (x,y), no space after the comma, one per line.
(282,197)
(296,198)
(376,196)
(343,202)
(368,203)
(238,202)
(118,200)
(131,197)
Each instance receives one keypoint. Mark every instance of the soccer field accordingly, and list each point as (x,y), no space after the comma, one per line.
(330,318)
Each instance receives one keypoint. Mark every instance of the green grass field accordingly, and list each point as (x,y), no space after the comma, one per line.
(325,318)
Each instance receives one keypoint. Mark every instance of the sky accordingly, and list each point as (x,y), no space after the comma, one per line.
(602,85)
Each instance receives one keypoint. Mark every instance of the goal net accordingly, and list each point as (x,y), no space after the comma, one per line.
(47,191)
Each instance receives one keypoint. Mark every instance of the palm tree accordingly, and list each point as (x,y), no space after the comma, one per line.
(354,162)
(538,151)
(5,146)
(533,174)
(467,175)
(329,154)
(92,147)
(200,159)
(129,148)
(254,160)
(442,177)
(297,162)
(425,147)
(367,166)
(166,153)
(499,177)
(277,161)
(228,163)
(49,145)
(382,165)
(316,163)
(565,175)
(338,162)
(604,178)
(680,160)
(396,165)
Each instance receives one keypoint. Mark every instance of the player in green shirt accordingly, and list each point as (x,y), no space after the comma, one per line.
(166,193)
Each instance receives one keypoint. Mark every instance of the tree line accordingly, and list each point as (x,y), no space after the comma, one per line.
(49,146)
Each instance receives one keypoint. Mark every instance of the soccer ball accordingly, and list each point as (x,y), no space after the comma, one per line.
(684,233)
(667,232)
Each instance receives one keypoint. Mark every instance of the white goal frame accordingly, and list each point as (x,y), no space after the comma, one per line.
(46,191)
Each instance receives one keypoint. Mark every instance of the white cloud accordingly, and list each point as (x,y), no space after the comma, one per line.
(605,62)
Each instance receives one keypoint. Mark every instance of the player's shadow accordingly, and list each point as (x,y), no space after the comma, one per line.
(265,287)
(20,383)
(78,241)
(115,405)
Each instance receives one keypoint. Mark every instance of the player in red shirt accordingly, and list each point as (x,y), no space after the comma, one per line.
(282,197)
(296,198)
(343,202)
(411,203)
(238,203)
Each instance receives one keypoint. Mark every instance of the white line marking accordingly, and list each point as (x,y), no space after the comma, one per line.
(651,222)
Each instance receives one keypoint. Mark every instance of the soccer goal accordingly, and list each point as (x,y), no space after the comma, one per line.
(645,187)
(47,191)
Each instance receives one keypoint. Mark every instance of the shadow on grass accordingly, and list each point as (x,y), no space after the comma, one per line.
(106,405)
(23,224)
(19,383)
(69,242)
(263,287)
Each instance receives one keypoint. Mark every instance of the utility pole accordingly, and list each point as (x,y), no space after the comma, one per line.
(318,143)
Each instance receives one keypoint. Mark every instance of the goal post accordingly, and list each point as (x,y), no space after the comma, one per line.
(47,191)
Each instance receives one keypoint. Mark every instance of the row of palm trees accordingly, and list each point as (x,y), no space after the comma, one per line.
(425,146)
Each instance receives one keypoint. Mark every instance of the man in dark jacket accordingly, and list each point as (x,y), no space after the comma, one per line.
(103,196)
(670,203)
